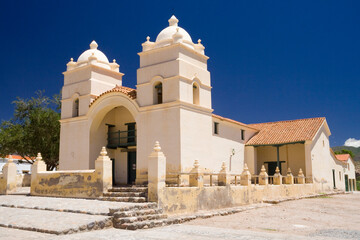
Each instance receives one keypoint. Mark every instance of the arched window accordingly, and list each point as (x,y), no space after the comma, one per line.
(158,93)
(76,108)
(196,94)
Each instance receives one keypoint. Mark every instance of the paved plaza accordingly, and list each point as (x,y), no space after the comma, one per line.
(322,218)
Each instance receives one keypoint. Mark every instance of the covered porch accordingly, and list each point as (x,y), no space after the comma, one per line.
(286,155)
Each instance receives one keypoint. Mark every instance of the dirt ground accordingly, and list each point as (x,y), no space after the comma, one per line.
(333,216)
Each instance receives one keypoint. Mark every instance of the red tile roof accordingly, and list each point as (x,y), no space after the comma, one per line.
(18,157)
(281,132)
(130,92)
(343,157)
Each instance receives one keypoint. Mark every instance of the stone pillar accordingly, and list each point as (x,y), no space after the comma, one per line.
(277,177)
(196,176)
(156,173)
(224,177)
(38,166)
(9,177)
(289,179)
(103,170)
(263,176)
(301,177)
(245,178)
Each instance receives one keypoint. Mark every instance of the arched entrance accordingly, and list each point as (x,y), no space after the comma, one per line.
(114,126)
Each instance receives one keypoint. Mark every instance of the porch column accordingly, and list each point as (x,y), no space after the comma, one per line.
(278,156)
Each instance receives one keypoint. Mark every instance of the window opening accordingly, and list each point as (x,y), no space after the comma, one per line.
(158,94)
(216,128)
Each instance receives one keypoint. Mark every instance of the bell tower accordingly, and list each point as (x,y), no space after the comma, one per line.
(86,79)
(173,68)
(174,92)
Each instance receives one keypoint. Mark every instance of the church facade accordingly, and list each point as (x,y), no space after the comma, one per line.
(172,104)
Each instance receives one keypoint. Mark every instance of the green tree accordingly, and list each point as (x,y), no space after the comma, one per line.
(345,151)
(34,128)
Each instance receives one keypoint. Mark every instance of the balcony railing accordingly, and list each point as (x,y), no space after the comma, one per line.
(121,139)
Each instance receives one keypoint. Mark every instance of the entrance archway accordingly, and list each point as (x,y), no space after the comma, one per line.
(114,125)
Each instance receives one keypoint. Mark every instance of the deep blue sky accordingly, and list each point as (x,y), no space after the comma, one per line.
(269,60)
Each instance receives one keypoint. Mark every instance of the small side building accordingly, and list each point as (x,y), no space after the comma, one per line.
(343,171)
(295,144)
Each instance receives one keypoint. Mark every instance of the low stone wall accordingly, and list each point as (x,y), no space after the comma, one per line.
(81,184)
(179,200)
(227,194)
(75,184)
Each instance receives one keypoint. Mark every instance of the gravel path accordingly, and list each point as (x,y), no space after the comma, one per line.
(323,218)
(173,232)
(334,216)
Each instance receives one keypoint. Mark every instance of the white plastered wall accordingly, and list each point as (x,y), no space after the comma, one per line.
(74,145)
(196,139)
(158,123)
(321,159)
(228,146)
(339,168)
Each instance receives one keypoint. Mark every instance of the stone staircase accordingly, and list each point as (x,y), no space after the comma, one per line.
(139,217)
(142,216)
(136,194)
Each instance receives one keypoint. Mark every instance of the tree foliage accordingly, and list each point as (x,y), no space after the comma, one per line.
(34,128)
(345,151)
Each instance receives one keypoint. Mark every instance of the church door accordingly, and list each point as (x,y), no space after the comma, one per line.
(131,167)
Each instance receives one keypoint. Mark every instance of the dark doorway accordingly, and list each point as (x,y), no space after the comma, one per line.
(346,183)
(131,167)
(113,170)
(334,178)
(272,167)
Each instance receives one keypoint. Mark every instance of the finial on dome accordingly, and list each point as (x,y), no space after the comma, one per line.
(114,61)
(71,59)
(199,41)
(147,38)
(173,21)
(93,45)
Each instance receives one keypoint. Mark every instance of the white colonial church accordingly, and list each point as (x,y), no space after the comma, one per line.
(172,104)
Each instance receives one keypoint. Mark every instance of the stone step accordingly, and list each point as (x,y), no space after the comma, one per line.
(119,221)
(137,207)
(154,223)
(124,199)
(128,189)
(124,194)
(137,212)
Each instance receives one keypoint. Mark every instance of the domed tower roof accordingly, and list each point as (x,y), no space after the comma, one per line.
(93,56)
(167,33)
(173,34)
(93,51)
